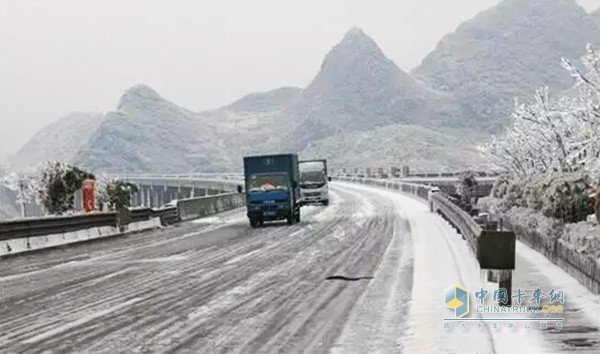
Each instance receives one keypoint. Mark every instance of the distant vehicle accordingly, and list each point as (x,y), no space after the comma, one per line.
(432,191)
(314,180)
(272,188)
(171,204)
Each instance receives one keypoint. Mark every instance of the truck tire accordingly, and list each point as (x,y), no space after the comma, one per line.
(325,202)
(297,217)
(254,223)
(291,218)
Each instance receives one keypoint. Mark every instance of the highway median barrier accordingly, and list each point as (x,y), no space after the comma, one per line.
(30,234)
(193,208)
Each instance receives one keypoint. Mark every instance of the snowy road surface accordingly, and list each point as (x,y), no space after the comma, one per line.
(364,275)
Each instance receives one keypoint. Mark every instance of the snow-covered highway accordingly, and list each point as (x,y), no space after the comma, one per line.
(364,275)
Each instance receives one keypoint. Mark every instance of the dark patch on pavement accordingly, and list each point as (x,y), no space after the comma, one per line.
(580,343)
(342,277)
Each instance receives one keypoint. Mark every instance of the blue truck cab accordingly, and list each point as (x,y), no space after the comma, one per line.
(272,188)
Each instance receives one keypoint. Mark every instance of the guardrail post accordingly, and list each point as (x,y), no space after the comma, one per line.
(505,282)
(123,218)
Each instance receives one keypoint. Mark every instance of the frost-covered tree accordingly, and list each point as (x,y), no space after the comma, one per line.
(58,184)
(466,187)
(556,135)
(113,193)
(586,109)
(24,185)
(552,149)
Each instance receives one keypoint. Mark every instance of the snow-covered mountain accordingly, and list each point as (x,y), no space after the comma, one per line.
(254,123)
(507,52)
(360,108)
(59,141)
(357,88)
(271,101)
(149,133)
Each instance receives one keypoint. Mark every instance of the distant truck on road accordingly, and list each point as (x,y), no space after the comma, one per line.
(272,188)
(314,185)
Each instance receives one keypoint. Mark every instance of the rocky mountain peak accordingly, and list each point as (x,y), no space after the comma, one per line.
(355,51)
(138,96)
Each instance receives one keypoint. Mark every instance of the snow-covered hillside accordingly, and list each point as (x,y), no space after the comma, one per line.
(507,52)
(58,141)
(149,133)
(397,145)
(358,88)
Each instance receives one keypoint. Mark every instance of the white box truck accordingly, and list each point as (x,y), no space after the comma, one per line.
(314,182)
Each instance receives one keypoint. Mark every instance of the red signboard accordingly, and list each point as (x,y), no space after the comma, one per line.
(88,188)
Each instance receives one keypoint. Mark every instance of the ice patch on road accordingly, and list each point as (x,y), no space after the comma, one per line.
(209,220)
(339,233)
(219,220)
(230,297)
(242,257)
(64,328)
(331,211)
(173,258)
(109,276)
(365,213)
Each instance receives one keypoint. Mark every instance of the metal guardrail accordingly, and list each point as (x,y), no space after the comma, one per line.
(186,209)
(459,218)
(418,190)
(31,227)
(54,225)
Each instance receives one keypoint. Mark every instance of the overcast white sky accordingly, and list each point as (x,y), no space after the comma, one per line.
(59,56)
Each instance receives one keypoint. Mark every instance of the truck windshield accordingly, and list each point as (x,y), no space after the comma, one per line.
(309,177)
(265,183)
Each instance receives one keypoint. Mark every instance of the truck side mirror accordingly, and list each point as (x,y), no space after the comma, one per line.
(239,189)
(329,179)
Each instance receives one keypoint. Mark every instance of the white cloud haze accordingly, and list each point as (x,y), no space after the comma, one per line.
(59,56)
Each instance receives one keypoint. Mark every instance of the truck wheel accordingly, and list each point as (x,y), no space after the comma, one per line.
(297,218)
(325,202)
(254,223)
(291,218)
